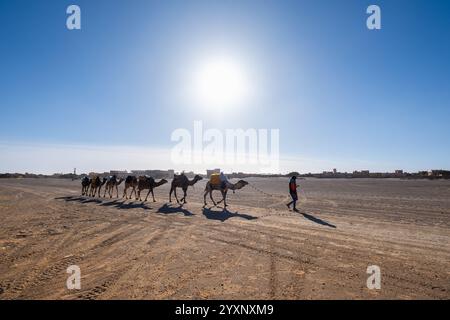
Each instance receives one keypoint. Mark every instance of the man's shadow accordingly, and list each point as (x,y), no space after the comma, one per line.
(317,220)
(224,214)
(168,209)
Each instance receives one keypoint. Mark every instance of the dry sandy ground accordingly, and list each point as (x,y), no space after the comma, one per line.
(256,250)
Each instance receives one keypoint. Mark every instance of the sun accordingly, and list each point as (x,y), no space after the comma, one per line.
(220,83)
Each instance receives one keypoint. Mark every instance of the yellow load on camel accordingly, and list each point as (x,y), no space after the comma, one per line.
(215,179)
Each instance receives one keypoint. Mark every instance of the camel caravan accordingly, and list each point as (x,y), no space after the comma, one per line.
(92,186)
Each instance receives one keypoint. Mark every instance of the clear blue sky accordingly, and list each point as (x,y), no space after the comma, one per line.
(342,95)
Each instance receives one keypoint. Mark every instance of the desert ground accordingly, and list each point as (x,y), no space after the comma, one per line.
(256,249)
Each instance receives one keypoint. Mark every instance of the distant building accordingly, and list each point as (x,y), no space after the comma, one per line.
(399,173)
(439,174)
(118,173)
(334,171)
(189,174)
(361,174)
(157,174)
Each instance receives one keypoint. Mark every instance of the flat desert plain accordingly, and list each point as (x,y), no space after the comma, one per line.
(257,249)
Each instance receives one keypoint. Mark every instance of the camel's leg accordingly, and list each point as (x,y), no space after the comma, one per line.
(175,194)
(224,195)
(125,193)
(138,196)
(212,199)
(170,194)
(133,190)
(153,195)
(220,201)
(204,196)
(149,190)
(104,193)
(117,191)
(185,195)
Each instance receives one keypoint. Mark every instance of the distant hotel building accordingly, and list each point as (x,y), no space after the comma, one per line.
(119,173)
(157,174)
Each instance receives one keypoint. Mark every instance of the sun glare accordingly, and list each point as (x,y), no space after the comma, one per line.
(220,83)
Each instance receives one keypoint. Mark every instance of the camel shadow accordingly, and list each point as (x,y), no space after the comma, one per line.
(71,198)
(224,214)
(122,204)
(167,209)
(132,205)
(91,201)
(317,220)
(79,199)
(117,203)
(113,203)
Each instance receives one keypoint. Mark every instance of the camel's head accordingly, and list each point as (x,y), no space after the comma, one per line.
(198,178)
(241,183)
(163,181)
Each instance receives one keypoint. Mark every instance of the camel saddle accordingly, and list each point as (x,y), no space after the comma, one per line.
(215,179)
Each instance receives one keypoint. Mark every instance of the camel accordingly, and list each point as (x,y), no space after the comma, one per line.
(181,181)
(230,186)
(96,184)
(130,182)
(85,183)
(147,182)
(112,183)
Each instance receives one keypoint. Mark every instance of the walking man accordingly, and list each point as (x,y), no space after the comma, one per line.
(293,192)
